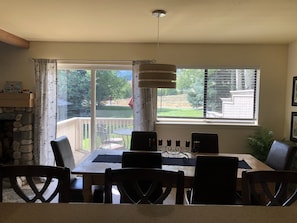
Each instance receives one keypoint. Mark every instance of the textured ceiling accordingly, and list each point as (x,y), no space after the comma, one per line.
(187,21)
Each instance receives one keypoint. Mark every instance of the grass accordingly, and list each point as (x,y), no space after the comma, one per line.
(115,112)
(179,112)
(87,144)
(127,112)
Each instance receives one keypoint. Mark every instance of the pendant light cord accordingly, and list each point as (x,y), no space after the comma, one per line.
(158,38)
(158,33)
(158,13)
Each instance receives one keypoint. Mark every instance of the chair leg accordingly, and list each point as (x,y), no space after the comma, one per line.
(98,194)
(188,196)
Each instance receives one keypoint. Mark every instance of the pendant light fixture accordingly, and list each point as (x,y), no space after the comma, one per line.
(157,75)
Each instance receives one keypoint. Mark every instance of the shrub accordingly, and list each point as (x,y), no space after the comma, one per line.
(260,143)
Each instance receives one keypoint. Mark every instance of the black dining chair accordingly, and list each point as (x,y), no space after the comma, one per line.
(134,176)
(64,158)
(43,183)
(214,180)
(259,188)
(143,140)
(204,142)
(141,159)
(281,155)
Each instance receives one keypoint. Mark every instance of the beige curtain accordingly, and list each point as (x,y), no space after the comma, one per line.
(144,103)
(45,110)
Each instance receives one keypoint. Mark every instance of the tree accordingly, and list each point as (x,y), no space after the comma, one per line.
(195,96)
(191,81)
(110,86)
(74,89)
(219,86)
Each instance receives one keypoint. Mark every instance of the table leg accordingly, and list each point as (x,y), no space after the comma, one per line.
(87,188)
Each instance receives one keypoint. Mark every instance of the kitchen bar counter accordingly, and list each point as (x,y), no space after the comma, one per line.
(112,213)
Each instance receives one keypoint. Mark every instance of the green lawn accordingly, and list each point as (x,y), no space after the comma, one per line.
(127,112)
(180,112)
(115,112)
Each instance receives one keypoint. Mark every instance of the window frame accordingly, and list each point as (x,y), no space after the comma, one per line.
(93,66)
(219,121)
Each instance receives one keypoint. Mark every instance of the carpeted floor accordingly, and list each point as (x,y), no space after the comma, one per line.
(10,196)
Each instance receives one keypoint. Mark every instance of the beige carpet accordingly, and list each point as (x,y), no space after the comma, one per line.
(10,196)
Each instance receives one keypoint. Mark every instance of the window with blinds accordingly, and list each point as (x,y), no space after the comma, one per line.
(211,94)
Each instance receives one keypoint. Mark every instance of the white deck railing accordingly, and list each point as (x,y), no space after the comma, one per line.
(78,130)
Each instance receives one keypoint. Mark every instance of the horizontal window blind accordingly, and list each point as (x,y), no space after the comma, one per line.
(219,94)
(230,93)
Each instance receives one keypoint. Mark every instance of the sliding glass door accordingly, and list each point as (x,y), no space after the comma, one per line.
(94,105)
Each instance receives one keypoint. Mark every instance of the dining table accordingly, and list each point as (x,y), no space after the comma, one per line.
(93,167)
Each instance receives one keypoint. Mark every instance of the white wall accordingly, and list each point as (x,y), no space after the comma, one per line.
(16,64)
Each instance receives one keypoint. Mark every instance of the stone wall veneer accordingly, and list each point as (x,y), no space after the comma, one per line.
(22,133)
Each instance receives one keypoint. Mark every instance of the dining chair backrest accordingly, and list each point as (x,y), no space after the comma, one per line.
(258,188)
(204,142)
(40,190)
(64,157)
(215,180)
(142,159)
(143,140)
(62,151)
(168,180)
(281,155)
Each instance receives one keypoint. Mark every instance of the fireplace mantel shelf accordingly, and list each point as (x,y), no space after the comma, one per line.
(25,100)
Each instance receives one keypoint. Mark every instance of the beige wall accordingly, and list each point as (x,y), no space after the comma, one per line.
(16,64)
(292,72)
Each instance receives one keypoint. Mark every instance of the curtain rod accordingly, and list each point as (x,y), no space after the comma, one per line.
(95,61)
(109,65)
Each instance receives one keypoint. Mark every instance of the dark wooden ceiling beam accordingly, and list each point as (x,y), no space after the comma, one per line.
(13,40)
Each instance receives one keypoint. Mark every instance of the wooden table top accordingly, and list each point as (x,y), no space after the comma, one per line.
(88,167)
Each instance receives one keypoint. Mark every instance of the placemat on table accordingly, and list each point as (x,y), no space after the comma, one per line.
(165,161)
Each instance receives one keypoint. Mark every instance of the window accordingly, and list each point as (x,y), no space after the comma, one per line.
(93,102)
(211,94)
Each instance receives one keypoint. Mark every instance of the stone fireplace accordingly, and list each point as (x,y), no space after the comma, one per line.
(16,137)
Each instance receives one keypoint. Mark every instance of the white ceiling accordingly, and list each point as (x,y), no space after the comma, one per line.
(187,21)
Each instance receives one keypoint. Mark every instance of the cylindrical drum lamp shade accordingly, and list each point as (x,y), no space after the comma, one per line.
(157,76)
